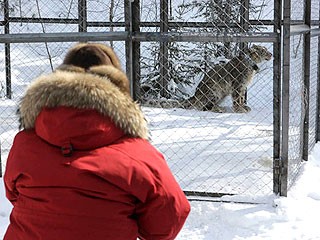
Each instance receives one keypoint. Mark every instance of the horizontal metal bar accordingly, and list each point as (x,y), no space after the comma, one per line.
(42,20)
(64,37)
(204,37)
(62,21)
(148,24)
(143,36)
(315,32)
(142,24)
(206,24)
(106,24)
(313,22)
(299,29)
(206,194)
(221,199)
(151,23)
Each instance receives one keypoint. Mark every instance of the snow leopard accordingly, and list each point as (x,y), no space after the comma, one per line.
(231,78)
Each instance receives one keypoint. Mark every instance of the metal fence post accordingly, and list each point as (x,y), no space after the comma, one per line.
(128,43)
(132,22)
(318,89)
(7,51)
(136,50)
(277,97)
(307,42)
(164,52)
(244,22)
(0,161)
(82,15)
(285,98)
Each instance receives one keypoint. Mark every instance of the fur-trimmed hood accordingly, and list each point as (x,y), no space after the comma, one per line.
(95,89)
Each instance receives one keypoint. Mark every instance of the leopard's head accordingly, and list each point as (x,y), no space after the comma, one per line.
(259,53)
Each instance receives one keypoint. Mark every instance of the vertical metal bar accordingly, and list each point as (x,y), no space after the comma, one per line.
(132,19)
(277,96)
(225,17)
(306,82)
(164,52)
(82,15)
(285,98)
(128,43)
(244,22)
(136,74)
(111,19)
(0,161)
(318,89)
(7,51)
(170,10)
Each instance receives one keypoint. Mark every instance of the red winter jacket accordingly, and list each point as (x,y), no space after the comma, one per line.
(83,169)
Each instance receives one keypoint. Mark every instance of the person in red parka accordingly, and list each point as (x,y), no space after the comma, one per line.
(82,166)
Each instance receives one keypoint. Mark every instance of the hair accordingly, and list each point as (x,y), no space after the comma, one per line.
(99,59)
(86,55)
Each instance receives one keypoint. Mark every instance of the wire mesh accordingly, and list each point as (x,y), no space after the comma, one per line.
(210,151)
(314,79)
(299,104)
(205,80)
(296,107)
(314,66)
(315,9)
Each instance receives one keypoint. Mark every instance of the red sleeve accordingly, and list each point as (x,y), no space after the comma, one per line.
(11,194)
(165,208)
(9,177)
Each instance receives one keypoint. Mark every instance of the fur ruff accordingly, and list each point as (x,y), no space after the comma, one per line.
(71,86)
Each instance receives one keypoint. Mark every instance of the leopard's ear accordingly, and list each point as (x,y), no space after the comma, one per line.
(253,48)
(253,53)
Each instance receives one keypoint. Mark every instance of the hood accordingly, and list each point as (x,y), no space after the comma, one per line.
(85,109)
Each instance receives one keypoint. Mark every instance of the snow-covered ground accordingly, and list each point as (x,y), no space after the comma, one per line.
(207,152)
(295,217)
(212,152)
(220,153)
(276,218)
(229,153)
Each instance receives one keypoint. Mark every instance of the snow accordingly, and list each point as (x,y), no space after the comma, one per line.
(191,142)
(228,152)
(286,218)
(214,152)
(271,217)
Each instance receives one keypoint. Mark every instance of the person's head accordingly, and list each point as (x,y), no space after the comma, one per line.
(98,59)
(86,55)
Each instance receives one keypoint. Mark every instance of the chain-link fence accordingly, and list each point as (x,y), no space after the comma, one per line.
(301,119)
(230,87)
